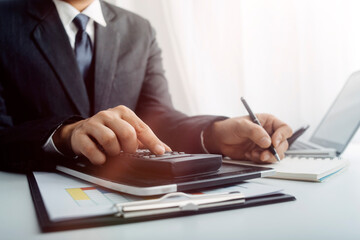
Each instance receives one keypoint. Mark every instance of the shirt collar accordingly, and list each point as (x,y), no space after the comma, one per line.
(68,13)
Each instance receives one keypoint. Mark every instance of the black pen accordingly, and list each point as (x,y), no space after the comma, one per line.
(256,120)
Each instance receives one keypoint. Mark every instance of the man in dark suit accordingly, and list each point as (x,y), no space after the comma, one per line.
(83,77)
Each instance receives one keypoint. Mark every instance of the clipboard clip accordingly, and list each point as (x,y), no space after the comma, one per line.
(177,202)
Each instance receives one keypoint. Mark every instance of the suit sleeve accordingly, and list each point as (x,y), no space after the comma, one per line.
(21,144)
(179,131)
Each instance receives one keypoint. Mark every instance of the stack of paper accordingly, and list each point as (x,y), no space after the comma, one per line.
(306,169)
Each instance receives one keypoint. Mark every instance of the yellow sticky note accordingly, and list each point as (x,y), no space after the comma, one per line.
(77,194)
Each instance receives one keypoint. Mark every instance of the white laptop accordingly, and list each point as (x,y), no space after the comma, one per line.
(337,127)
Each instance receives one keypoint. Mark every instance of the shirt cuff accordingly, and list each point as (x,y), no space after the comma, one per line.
(203,143)
(49,146)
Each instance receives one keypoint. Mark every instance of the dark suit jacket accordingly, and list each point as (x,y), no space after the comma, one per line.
(41,86)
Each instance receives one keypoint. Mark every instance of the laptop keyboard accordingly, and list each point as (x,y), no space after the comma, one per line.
(301,145)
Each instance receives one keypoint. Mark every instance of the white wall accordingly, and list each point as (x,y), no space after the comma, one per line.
(287,57)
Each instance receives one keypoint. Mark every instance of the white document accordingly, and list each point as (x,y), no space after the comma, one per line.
(68,198)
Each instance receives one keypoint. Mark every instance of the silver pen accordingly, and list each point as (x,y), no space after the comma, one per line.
(256,120)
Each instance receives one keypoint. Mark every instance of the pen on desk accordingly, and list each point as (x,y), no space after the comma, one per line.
(256,120)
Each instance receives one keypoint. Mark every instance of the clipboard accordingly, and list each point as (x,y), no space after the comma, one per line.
(147,210)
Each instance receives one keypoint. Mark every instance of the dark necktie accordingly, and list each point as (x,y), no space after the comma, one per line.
(83,47)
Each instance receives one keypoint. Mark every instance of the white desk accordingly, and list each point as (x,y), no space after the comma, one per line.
(328,210)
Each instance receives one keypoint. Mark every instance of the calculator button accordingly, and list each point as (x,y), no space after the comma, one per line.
(171,157)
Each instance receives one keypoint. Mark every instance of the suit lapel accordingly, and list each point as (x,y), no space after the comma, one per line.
(109,45)
(51,38)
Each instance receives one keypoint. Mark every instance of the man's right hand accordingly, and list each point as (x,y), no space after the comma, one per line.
(106,134)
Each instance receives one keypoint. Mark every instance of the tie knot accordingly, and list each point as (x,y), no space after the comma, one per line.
(81,21)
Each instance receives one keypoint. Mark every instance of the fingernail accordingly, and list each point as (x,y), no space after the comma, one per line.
(277,142)
(168,148)
(267,157)
(159,149)
(265,141)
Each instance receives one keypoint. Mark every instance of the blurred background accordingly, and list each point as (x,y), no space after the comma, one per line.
(286,57)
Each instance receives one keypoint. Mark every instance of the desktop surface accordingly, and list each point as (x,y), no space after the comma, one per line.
(328,210)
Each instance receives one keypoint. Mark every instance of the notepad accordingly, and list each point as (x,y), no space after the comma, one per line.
(305,169)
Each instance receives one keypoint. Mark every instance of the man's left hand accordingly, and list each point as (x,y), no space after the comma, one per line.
(240,138)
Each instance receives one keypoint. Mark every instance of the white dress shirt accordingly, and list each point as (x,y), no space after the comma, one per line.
(67,14)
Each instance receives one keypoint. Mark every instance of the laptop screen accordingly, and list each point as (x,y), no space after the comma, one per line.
(343,118)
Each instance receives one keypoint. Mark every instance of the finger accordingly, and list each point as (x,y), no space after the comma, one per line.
(283,146)
(141,145)
(167,148)
(125,134)
(281,133)
(254,132)
(143,131)
(258,160)
(255,154)
(89,149)
(106,138)
(234,152)
(267,157)
(282,156)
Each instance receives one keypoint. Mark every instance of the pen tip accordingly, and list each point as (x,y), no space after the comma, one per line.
(277,157)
